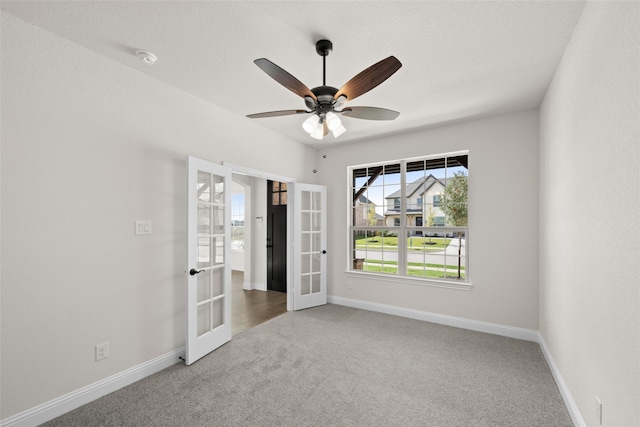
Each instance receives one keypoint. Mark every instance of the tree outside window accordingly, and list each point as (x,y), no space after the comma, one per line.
(455,207)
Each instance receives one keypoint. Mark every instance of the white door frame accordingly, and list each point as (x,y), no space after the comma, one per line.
(242,170)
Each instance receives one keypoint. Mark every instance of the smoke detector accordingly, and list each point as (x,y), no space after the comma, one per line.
(146,57)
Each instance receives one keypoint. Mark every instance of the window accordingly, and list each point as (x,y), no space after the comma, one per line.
(237,221)
(438,221)
(279,193)
(423,204)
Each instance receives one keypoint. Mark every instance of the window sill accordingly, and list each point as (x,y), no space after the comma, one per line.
(447,284)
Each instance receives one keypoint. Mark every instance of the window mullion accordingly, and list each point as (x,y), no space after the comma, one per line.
(402,230)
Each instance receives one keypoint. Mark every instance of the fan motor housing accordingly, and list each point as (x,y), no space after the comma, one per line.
(323,47)
(325,98)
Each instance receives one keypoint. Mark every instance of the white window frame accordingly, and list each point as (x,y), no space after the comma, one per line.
(402,230)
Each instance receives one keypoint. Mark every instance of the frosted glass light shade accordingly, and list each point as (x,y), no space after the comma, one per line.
(318,131)
(333,121)
(339,131)
(310,124)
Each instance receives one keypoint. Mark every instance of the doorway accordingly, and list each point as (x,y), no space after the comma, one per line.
(209,243)
(252,301)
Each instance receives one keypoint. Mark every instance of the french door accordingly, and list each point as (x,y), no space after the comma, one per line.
(209,258)
(209,254)
(310,242)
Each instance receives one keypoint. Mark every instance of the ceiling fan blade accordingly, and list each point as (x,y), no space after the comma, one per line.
(276,113)
(370,113)
(369,78)
(284,78)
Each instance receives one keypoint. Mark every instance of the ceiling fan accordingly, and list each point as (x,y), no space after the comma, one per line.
(327,102)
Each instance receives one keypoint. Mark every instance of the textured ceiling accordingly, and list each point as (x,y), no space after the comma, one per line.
(461,60)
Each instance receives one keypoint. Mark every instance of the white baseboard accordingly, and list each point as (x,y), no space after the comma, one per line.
(63,404)
(254,286)
(458,322)
(578,421)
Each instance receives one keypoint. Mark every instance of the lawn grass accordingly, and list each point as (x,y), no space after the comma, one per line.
(412,264)
(428,244)
(435,274)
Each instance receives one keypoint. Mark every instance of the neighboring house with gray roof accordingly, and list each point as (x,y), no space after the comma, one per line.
(362,207)
(423,200)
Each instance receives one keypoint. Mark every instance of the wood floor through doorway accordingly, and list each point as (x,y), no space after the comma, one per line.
(250,308)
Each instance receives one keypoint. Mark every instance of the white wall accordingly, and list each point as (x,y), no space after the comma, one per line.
(88,147)
(589,214)
(503,219)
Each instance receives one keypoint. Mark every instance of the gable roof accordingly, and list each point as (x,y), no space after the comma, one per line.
(365,201)
(421,186)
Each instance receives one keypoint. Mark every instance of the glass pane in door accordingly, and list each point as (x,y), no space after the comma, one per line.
(315,283)
(204,252)
(211,256)
(204,286)
(204,186)
(310,256)
(204,318)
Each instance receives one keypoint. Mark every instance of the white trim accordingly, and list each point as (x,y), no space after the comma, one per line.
(70,401)
(243,170)
(250,286)
(441,319)
(578,421)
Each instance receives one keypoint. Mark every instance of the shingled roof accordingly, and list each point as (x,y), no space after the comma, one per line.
(421,186)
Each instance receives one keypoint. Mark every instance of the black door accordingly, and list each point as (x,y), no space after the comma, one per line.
(277,236)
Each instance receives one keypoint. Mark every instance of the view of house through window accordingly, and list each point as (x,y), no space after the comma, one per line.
(409,217)
(237,221)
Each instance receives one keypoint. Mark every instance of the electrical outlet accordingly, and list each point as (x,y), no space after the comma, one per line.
(349,284)
(599,410)
(102,351)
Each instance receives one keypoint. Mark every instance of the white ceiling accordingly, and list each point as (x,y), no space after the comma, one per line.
(461,59)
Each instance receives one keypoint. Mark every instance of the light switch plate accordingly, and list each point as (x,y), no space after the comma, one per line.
(143,227)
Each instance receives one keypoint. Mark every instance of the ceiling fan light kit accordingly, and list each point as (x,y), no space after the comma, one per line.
(326,103)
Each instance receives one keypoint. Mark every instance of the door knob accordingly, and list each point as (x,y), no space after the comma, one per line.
(193,271)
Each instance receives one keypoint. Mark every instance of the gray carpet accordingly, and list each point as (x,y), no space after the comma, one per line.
(339,366)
